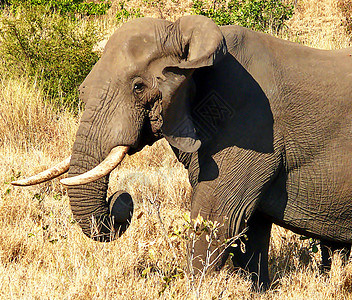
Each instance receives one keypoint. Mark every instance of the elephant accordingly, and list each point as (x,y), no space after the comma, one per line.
(263,126)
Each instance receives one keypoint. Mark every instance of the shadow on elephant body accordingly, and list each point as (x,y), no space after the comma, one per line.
(230,110)
(234,121)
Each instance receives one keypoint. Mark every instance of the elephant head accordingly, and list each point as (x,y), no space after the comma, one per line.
(139,91)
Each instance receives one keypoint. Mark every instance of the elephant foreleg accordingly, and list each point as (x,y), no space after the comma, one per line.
(255,258)
(207,249)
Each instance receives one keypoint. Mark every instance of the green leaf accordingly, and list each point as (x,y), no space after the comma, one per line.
(315,248)
(38,197)
(187,218)
(243,247)
(145,272)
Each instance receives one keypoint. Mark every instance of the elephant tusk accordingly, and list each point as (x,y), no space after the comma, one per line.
(114,158)
(46,175)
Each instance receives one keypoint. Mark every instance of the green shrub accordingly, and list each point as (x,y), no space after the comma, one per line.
(65,7)
(261,15)
(125,14)
(219,11)
(3,3)
(50,48)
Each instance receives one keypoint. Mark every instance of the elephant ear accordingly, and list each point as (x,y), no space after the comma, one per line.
(194,42)
(201,40)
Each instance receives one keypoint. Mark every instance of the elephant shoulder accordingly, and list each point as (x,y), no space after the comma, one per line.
(243,43)
(234,34)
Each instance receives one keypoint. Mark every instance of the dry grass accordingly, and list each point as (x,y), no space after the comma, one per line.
(318,24)
(25,121)
(43,254)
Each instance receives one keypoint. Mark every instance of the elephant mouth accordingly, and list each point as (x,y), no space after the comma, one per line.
(113,159)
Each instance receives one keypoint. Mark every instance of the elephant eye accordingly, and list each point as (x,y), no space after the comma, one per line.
(138,87)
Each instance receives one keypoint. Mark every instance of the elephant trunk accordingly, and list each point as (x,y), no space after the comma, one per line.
(88,201)
(90,208)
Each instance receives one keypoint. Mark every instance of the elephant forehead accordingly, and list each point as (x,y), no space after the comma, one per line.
(136,42)
(140,48)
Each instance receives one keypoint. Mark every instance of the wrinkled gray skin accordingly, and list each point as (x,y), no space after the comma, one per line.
(264,127)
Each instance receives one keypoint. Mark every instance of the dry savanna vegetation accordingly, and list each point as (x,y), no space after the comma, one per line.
(44,255)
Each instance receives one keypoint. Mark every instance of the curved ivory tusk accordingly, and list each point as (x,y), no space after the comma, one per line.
(46,175)
(114,158)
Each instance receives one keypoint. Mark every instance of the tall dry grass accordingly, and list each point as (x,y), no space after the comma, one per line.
(44,255)
(318,24)
(28,122)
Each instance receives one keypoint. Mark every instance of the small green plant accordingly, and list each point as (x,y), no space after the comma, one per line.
(125,14)
(313,243)
(7,192)
(15,175)
(39,197)
(195,229)
(261,15)
(154,3)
